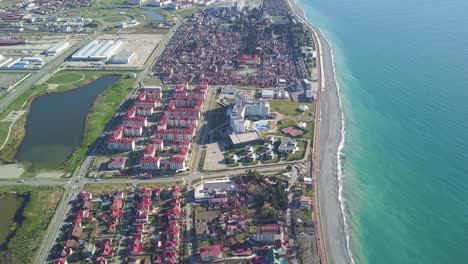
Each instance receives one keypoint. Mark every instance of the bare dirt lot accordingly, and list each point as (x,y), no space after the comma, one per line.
(9,79)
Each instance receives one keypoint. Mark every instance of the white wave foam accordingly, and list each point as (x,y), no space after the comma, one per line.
(340,154)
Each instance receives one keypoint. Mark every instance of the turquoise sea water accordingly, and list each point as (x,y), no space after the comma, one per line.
(403,70)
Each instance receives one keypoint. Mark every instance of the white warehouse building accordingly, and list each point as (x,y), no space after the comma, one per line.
(56,48)
(122,58)
(96,50)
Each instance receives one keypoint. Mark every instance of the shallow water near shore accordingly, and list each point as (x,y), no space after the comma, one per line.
(402,67)
(56,122)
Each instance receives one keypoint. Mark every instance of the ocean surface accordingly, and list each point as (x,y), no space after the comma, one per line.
(402,66)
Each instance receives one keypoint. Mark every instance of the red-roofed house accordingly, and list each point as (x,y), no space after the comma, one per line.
(86,196)
(157,143)
(141,216)
(66,251)
(170,255)
(177,163)
(137,247)
(268,233)
(82,213)
(150,163)
(100,260)
(171,245)
(146,192)
(140,228)
(116,203)
(61,261)
(133,130)
(174,214)
(112,229)
(211,253)
(172,232)
(76,232)
(115,213)
(106,250)
(77,222)
(116,163)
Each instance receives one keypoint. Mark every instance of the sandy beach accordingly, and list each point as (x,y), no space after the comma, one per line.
(328,138)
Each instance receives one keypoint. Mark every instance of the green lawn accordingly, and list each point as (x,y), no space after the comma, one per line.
(186,12)
(246,71)
(104,107)
(66,78)
(25,244)
(299,154)
(276,18)
(202,214)
(273,160)
(103,110)
(255,162)
(289,108)
(109,188)
(115,18)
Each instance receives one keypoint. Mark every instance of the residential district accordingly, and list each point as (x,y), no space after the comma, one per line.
(209,157)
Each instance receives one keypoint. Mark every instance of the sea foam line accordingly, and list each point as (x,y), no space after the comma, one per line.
(340,174)
(339,154)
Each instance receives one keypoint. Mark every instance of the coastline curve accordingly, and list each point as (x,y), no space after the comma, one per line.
(335,235)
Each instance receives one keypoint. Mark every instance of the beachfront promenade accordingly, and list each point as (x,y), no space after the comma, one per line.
(328,136)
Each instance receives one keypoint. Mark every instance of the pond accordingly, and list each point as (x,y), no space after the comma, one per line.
(11,217)
(56,122)
(151,14)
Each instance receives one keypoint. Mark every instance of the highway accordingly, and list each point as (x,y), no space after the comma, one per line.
(36,76)
(78,178)
(76,183)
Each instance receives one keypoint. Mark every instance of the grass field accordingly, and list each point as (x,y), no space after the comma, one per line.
(186,12)
(289,108)
(108,188)
(276,18)
(24,245)
(66,78)
(246,71)
(299,154)
(115,18)
(103,110)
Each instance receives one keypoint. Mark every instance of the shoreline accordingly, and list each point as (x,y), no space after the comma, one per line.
(22,121)
(331,228)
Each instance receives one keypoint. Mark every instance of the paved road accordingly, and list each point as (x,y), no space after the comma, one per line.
(36,76)
(80,173)
(329,130)
(77,181)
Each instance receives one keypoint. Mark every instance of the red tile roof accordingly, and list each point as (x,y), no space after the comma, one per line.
(210,251)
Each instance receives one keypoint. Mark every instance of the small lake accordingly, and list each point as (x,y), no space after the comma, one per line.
(11,205)
(56,122)
(153,15)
